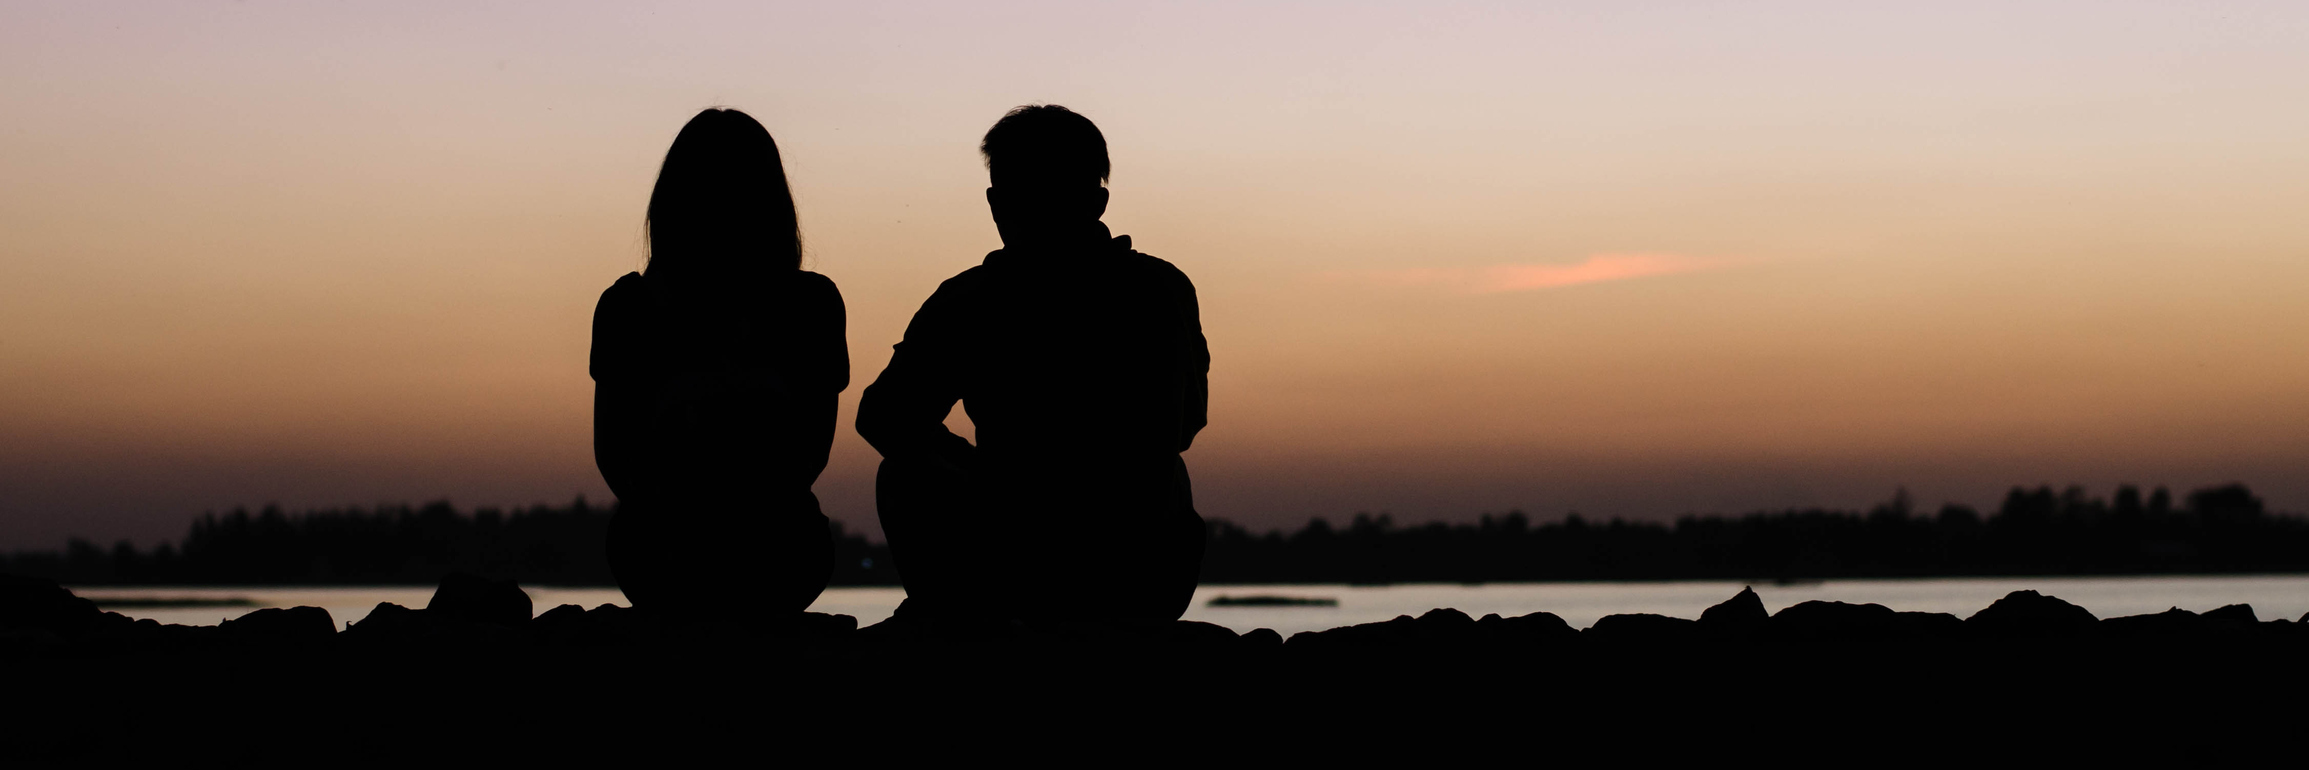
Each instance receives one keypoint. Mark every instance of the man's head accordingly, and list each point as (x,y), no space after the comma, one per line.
(1049,170)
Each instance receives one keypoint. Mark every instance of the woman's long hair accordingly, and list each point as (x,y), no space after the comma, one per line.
(721,210)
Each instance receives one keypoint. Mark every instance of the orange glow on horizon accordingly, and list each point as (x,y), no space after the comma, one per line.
(1596,268)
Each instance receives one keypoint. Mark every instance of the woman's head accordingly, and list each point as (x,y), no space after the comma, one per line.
(721,208)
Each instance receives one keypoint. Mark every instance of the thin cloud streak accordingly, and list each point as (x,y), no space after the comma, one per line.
(1597,268)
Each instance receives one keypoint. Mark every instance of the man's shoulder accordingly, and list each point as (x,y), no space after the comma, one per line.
(1156,268)
(966,280)
(961,288)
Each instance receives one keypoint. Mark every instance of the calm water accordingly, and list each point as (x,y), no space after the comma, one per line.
(2272,597)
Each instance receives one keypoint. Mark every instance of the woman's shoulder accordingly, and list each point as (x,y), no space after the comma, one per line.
(614,320)
(815,282)
(630,290)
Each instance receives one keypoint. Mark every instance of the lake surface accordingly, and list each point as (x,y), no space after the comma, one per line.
(1580,604)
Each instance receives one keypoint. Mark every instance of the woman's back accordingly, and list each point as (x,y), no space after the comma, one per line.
(722,397)
(716,371)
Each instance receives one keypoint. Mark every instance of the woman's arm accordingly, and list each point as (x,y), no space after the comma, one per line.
(619,394)
(827,347)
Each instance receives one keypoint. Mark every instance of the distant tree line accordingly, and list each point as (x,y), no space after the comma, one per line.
(2035,532)
(2039,531)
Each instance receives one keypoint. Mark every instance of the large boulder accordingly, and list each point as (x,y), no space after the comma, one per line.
(2028,613)
(476,599)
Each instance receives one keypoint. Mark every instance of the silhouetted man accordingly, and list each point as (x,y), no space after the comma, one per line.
(1083,365)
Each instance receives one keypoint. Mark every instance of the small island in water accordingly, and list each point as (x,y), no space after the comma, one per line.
(1272,601)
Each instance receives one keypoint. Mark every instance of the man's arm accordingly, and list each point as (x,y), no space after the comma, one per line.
(1195,360)
(903,414)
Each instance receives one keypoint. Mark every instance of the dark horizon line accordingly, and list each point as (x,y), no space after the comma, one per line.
(2216,530)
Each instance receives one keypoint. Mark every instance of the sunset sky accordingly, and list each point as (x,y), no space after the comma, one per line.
(1629,259)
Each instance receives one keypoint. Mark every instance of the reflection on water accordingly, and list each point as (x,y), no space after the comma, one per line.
(2281,596)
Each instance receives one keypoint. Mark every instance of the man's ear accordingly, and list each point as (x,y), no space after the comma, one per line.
(1102,198)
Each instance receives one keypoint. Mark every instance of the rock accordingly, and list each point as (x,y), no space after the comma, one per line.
(1445,620)
(115,626)
(1198,632)
(179,637)
(563,616)
(1437,630)
(283,624)
(2240,613)
(389,621)
(825,625)
(1742,614)
(32,641)
(394,626)
(1817,620)
(29,603)
(2172,624)
(1642,628)
(2028,613)
(606,625)
(1261,639)
(1927,625)
(1525,630)
(476,599)
(1366,638)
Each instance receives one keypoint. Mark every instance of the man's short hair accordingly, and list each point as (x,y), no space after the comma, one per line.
(1045,145)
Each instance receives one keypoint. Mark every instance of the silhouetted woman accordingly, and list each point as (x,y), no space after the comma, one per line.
(716,370)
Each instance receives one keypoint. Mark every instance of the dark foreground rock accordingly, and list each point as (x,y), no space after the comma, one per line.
(39,619)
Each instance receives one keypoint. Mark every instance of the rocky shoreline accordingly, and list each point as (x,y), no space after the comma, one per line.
(477,652)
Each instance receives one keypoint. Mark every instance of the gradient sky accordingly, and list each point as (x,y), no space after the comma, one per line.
(1621,258)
